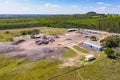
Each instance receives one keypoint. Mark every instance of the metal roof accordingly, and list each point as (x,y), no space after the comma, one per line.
(92,31)
(97,46)
(89,56)
(71,29)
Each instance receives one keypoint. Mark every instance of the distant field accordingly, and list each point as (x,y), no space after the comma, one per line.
(84,21)
(16,32)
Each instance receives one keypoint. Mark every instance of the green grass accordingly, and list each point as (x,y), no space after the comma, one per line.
(101,69)
(16,32)
(69,53)
(81,49)
(20,69)
(50,31)
(84,21)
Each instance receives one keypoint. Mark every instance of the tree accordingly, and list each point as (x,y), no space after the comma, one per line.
(110,41)
(23,32)
(110,53)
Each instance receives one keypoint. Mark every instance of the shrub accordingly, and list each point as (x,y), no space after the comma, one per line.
(7,32)
(93,38)
(23,32)
(9,39)
(29,32)
(32,36)
(110,53)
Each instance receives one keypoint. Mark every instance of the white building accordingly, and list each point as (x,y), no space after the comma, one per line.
(91,31)
(71,30)
(89,57)
(93,46)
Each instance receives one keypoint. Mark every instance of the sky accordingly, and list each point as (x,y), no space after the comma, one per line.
(59,6)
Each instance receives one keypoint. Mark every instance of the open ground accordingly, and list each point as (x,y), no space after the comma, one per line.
(53,50)
(62,59)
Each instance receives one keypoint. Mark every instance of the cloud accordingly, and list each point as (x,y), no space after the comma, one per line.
(21,7)
(51,5)
(102,3)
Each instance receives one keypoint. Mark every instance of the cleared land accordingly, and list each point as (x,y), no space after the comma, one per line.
(60,60)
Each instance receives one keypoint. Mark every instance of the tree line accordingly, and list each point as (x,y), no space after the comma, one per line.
(90,20)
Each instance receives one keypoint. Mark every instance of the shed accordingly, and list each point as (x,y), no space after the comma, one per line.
(89,57)
(91,31)
(71,30)
(93,46)
(37,36)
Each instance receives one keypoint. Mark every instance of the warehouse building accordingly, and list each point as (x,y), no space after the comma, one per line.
(93,46)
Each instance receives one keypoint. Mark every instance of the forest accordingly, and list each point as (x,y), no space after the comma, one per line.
(90,20)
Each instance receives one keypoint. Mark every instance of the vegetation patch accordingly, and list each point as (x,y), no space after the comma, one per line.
(8,35)
(21,69)
(69,53)
(81,49)
(111,41)
(87,21)
(102,69)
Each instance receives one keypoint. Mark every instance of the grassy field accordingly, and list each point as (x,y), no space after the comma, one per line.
(4,36)
(102,69)
(69,53)
(20,69)
(81,49)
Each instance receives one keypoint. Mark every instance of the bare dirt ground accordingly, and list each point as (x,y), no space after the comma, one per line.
(74,61)
(53,50)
